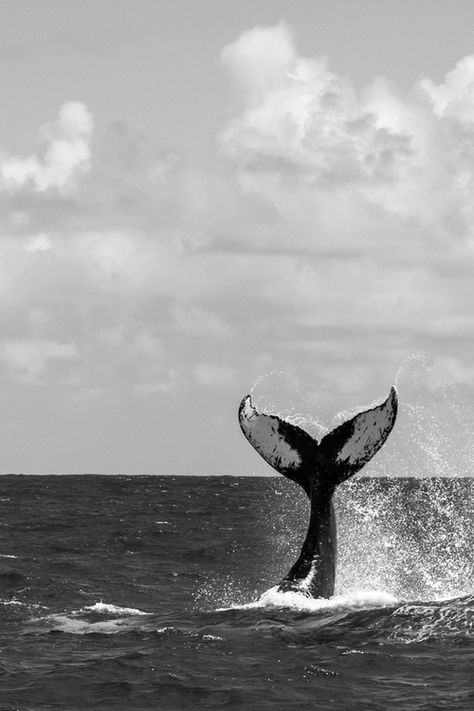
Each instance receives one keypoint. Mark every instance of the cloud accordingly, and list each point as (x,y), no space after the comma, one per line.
(455,97)
(31,356)
(66,155)
(360,204)
(215,375)
(40,243)
(304,119)
(309,143)
(328,233)
(322,154)
(200,323)
(259,61)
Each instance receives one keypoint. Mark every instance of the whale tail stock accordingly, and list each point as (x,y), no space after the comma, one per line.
(318,468)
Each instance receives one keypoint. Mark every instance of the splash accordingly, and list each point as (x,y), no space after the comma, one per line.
(410,537)
(433,436)
(281,393)
(296,601)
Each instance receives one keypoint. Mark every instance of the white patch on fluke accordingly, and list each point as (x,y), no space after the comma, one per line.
(262,431)
(371,429)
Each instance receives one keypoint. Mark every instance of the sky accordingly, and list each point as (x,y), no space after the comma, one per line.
(205,198)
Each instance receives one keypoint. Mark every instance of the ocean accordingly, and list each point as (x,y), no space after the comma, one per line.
(140,592)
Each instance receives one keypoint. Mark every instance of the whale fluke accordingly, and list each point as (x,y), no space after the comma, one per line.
(318,468)
(351,445)
(287,448)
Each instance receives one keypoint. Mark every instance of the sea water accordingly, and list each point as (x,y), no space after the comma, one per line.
(159,593)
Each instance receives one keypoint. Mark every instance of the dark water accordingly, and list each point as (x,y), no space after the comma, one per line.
(140,593)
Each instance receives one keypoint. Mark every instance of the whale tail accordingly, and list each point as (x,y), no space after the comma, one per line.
(340,454)
(318,468)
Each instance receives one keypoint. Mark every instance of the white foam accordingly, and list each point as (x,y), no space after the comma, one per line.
(72,625)
(6,555)
(212,637)
(75,622)
(115,610)
(204,637)
(297,601)
(12,602)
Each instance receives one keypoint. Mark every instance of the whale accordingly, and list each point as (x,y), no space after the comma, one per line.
(319,468)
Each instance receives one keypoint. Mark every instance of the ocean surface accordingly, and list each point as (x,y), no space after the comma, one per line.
(138,593)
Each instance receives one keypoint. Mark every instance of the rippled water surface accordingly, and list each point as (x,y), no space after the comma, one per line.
(144,593)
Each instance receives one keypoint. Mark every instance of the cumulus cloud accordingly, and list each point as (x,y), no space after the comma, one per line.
(66,154)
(308,137)
(455,97)
(259,61)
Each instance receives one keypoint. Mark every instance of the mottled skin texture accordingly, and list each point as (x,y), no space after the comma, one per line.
(318,468)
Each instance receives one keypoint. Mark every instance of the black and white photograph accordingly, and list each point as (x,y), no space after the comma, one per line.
(237,355)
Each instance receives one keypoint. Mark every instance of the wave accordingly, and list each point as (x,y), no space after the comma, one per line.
(99,618)
(115,610)
(358,619)
(422,622)
(365,616)
(12,578)
(71,625)
(13,602)
(296,601)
